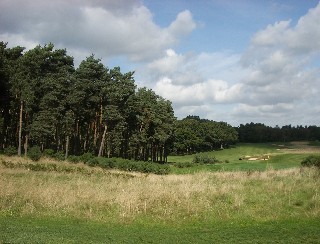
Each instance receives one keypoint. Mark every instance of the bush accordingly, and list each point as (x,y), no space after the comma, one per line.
(312,160)
(204,159)
(48,153)
(93,162)
(128,165)
(107,163)
(86,157)
(74,159)
(34,153)
(10,151)
(60,156)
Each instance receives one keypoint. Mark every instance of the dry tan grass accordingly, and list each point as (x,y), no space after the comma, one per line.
(114,196)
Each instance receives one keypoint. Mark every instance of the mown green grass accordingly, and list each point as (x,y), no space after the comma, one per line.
(233,153)
(230,158)
(282,161)
(60,230)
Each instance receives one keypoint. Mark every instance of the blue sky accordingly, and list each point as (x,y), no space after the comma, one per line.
(237,61)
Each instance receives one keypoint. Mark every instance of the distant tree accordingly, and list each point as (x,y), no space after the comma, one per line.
(193,134)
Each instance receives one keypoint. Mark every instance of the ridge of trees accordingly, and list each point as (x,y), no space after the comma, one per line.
(258,132)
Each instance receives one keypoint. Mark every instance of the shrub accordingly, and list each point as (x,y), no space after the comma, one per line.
(10,151)
(93,162)
(312,160)
(60,156)
(34,153)
(128,165)
(86,157)
(48,152)
(107,163)
(74,159)
(204,159)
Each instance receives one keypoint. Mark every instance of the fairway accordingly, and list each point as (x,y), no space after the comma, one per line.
(265,155)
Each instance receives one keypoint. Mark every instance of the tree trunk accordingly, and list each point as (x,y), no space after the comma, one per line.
(67,147)
(103,140)
(26,146)
(20,128)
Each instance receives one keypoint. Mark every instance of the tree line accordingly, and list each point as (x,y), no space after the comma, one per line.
(193,134)
(46,102)
(258,132)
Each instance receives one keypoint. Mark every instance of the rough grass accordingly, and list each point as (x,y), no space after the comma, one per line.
(112,196)
(81,204)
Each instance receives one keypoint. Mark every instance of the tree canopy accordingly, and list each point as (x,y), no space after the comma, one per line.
(46,102)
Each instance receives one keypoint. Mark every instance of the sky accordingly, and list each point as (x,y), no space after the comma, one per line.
(237,61)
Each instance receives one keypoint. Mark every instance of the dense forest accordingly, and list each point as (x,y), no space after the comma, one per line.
(46,102)
(257,132)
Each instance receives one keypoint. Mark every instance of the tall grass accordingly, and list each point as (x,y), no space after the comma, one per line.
(113,196)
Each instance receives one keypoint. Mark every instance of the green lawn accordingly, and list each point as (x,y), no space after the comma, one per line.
(278,158)
(49,230)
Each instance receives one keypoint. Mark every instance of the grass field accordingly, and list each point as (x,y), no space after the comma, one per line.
(281,156)
(81,204)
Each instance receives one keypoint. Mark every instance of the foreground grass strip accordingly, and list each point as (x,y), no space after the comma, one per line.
(54,230)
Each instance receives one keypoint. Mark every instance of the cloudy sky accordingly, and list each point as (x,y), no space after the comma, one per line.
(237,61)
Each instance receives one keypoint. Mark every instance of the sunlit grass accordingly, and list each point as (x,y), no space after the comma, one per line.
(279,155)
(112,196)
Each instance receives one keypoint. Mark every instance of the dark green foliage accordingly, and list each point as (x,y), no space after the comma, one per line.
(48,153)
(193,135)
(129,165)
(59,156)
(35,153)
(204,159)
(257,132)
(10,151)
(107,163)
(312,160)
(86,157)
(74,159)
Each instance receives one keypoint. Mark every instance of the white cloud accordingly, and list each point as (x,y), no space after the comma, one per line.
(108,28)
(282,69)
(207,92)
(275,79)
(183,24)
